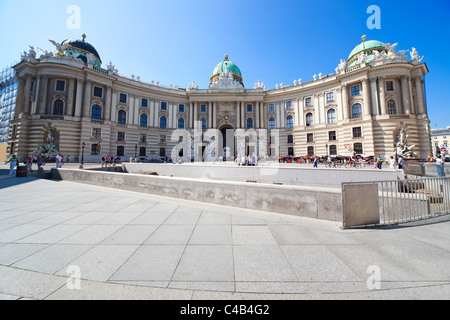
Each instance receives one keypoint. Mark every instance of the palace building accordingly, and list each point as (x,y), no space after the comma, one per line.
(66,98)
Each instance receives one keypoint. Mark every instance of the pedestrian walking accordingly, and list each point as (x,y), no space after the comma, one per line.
(40,162)
(59,161)
(400,163)
(440,167)
(379,162)
(13,163)
(316,161)
(29,164)
(392,163)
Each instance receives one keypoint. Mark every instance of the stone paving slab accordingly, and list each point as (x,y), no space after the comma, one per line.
(129,245)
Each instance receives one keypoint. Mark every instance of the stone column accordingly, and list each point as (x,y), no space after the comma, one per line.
(374,91)
(382,88)
(242,103)
(420,95)
(79,98)
(107,108)
(257,115)
(27,96)
(70,93)
(195,115)
(345,107)
(262,115)
(87,99)
(209,114)
(238,115)
(301,111)
(43,96)
(405,95)
(20,97)
(215,114)
(114,105)
(367,100)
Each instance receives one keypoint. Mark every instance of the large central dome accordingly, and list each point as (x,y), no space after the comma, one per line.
(226,65)
(82,49)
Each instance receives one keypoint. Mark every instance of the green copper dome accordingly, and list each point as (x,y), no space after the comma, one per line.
(226,64)
(366,46)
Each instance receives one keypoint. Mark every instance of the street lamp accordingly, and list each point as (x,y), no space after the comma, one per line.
(326,149)
(135,152)
(82,156)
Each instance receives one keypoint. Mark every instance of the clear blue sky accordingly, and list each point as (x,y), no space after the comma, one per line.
(180,41)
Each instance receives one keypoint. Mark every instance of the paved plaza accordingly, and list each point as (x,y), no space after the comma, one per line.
(64,240)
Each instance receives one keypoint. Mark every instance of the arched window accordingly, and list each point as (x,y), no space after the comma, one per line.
(358,148)
(122,117)
(143,122)
(58,108)
(204,124)
(309,120)
(249,123)
(331,116)
(289,122)
(163,122)
(180,123)
(356,111)
(271,123)
(392,107)
(96,113)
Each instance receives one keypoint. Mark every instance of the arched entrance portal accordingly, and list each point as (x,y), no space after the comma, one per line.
(227,142)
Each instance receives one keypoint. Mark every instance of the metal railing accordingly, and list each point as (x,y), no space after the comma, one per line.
(401,201)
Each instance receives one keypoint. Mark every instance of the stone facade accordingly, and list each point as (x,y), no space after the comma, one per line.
(359,109)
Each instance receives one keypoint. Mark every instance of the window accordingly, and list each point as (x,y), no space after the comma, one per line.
(163,122)
(289,105)
(355,91)
(143,122)
(310,137)
(271,107)
(309,120)
(58,107)
(123,98)
(98,92)
(204,124)
(180,123)
(356,111)
(357,133)
(249,108)
(60,85)
(142,152)
(120,151)
(163,105)
(311,151)
(392,107)
(330,96)
(143,138)
(144,103)
(162,139)
(290,151)
(203,108)
(162,152)
(289,122)
(271,123)
(249,123)
(290,138)
(122,117)
(390,85)
(95,149)
(332,136)
(308,102)
(333,150)
(358,148)
(331,116)
(121,136)
(96,113)
(96,133)
(181,108)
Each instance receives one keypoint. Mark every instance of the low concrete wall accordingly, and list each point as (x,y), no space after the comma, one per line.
(287,175)
(319,203)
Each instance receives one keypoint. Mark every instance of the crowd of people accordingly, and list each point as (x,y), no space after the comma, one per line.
(109,161)
(37,160)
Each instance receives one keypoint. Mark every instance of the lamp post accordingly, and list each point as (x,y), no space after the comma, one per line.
(326,149)
(135,152)
(82,156)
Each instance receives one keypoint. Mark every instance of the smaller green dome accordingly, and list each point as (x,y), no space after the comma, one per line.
(366,46)
(226,64)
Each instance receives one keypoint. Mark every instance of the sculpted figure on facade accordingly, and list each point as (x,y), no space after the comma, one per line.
(403,150)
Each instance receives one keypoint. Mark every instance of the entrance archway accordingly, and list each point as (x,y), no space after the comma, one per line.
(227,141)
